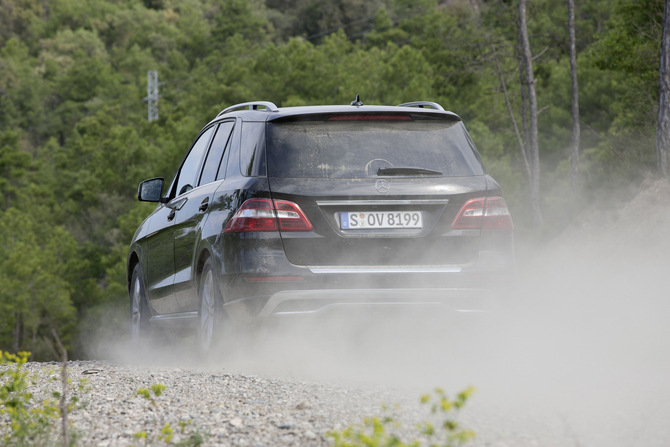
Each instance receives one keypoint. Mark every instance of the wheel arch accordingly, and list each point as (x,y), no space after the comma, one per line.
(200,265)
(133,260)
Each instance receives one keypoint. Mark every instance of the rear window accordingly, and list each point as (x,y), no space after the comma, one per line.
(343,146)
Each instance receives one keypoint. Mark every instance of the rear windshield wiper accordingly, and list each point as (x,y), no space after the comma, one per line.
(407,171)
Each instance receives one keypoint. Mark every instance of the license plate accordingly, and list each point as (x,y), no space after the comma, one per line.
(380,219)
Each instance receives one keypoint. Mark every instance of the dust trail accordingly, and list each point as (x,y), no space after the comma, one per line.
(579,356)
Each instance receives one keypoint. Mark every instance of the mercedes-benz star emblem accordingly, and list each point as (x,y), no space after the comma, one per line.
(382,186)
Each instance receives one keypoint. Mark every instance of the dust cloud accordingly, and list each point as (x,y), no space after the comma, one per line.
(580,355)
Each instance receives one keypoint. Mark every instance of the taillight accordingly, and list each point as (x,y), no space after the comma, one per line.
(497,215)
(291,217)
(263,215)
(470,216)
(484,213)
(253,215)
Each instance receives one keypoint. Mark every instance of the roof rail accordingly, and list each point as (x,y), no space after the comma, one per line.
(422,104)
(269,106)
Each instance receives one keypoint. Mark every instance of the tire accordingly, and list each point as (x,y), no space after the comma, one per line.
(210,314)
(139,315)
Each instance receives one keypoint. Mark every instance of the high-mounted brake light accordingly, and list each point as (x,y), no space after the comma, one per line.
(268,215)
(484,213)
(368,117)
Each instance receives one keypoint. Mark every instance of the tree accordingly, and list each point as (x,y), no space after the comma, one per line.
(663,127)
(533,144)
(519,139)
(13,165)
(630,45)
(574,153)
(34,295)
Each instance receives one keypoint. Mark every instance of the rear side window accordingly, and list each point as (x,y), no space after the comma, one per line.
(188,174)
(252,149)
(357,147)
(215,155)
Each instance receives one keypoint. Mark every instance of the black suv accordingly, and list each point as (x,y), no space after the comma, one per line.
(300,210)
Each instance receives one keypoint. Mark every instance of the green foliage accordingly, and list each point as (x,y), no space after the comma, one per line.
(315,19)
(157,390)
(29,424)
(145,393)
(631,45)
(378,432)
(34,263)
(166,436)
(237,17)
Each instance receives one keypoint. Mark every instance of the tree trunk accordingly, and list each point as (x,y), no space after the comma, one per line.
(533,147)
(63,398)
(663,128)
(574,154)
(522,145)
(16,333)
(524,87)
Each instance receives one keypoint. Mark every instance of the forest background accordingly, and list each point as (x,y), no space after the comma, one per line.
(75,140)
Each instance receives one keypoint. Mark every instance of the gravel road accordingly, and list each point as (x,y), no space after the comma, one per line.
(524,398)
(535,387)
(229,409)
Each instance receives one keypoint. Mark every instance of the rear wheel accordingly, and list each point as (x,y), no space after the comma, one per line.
(210,314)
(140,314)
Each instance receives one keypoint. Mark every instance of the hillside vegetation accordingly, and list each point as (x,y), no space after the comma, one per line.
(75,139)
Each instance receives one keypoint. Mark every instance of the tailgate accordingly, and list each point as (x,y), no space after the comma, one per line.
(327,201)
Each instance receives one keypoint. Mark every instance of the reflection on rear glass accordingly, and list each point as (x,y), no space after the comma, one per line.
(360,148)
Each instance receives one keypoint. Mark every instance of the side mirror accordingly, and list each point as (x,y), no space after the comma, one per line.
(150,190)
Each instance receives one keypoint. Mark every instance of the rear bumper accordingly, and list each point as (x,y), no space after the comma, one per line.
(258,281)
(310,302)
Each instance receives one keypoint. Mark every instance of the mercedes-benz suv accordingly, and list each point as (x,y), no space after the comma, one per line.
(302,210)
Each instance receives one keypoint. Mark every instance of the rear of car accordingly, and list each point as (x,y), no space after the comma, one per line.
(363,206)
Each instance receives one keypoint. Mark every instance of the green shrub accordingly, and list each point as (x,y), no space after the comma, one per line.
(377,432)
(29,424)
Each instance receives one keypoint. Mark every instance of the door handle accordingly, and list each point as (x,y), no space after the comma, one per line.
(204,205)
(171,215)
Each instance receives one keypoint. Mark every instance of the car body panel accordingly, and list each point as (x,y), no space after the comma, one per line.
(159,261)
(187,229)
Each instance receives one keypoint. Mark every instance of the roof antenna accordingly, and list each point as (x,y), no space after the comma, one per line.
(357,102)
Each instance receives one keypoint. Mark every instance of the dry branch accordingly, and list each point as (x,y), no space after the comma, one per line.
(519,140)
